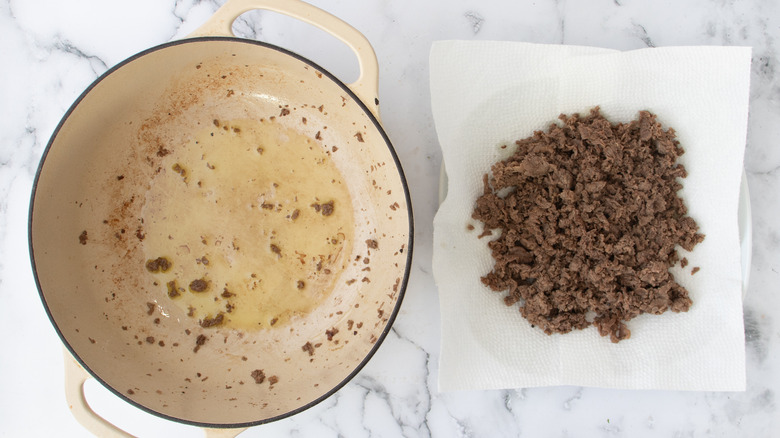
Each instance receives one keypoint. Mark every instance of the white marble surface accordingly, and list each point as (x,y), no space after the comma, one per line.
(52,50)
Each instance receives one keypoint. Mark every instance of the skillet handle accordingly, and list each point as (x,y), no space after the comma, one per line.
(75,376)
(366,87)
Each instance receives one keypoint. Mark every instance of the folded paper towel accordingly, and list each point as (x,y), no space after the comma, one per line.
(488,94)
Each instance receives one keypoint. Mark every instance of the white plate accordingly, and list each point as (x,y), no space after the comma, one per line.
(744,219)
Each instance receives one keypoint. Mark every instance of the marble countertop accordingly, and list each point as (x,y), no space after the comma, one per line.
(53,50)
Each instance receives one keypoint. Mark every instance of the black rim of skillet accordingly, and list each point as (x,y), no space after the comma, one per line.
(409,244)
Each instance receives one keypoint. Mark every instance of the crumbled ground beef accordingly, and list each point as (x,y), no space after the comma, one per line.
(259,376)
(212,322)
(326,209)
(589,225)
(199,342)
(199,285)
(160,264)
(173,289)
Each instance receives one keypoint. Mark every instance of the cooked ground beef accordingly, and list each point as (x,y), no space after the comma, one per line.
(199,285)
(259,376)
(590,219)
(173,289)
(199,342)
(327,208)
(211,322)
(160,264)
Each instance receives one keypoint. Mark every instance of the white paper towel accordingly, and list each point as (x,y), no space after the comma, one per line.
(486,94)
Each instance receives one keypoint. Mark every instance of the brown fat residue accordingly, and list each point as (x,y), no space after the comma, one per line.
(83,237)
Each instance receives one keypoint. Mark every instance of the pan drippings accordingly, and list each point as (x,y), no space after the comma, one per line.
(255,221)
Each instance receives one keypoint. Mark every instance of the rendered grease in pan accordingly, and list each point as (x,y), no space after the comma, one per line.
(256,217)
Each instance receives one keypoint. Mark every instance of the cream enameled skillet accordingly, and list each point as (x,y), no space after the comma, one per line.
(93,191)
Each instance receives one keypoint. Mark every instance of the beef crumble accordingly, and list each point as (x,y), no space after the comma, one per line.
(326,209)
(160,264)
(590,224)
(211,322)
(199,342)
(259,376)
(199,285)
